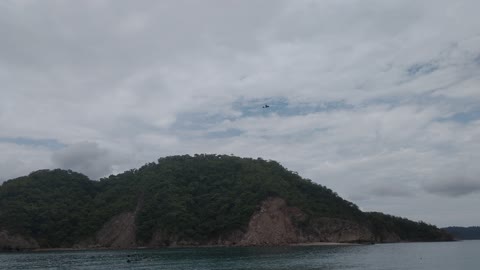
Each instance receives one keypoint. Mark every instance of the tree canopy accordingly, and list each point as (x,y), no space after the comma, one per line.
(195,197)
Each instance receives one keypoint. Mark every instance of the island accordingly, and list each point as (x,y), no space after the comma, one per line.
(200,200)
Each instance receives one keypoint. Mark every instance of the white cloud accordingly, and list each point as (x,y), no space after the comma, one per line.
(85,157)
(148,79)
(18,160)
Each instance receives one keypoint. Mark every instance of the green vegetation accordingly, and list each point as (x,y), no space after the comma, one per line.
(464,233)
(59,208)
(194,197)
(405,228)
(199,197)
(50,206)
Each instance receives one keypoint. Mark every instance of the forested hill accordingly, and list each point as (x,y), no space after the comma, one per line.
(464,233)
(188,200)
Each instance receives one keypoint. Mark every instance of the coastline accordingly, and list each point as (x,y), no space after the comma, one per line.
(215,246)
(199,246)
(326,244)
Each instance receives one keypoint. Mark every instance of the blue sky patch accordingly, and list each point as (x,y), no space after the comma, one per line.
(422,69)
(477,60)
(48,143)
(465,117)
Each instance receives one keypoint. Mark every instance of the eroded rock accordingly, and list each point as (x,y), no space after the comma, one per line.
(16,242)
(118,232)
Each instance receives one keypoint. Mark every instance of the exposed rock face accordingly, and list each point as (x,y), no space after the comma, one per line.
(387,237)
(277,224)
(162,239)
(337,230)
(119,232)
(273,224)
(16,242)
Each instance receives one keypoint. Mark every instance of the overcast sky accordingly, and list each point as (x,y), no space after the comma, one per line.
(377,100)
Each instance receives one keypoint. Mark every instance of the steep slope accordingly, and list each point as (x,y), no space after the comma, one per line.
(185,200)
(389,228)
(51,207)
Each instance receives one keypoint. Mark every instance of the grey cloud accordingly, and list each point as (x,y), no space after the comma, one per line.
(21,159)
(391,191)
(48,143)
(456,187)
(146,79)
(85,157)
(357,197)
(374,191)
(116,34)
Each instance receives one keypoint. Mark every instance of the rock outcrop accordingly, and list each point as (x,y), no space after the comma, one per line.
(16,242)
(385,236)
(118,232)
(273,224)
(190,201)
(337,230)
(278,224)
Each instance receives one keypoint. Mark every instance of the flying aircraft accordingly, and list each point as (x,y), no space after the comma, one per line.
(265,106)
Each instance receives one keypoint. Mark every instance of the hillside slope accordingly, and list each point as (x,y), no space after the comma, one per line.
(464,233)
(189,200)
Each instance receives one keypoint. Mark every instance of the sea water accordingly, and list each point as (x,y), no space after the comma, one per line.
(462,255)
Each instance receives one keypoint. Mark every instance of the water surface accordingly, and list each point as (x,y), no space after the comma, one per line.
(463,255)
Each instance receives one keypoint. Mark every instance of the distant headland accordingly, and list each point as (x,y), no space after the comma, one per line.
(189,201)
(464,233)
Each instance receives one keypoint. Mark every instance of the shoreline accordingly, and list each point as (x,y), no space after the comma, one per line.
(188,246)
(326,244)
(306,244)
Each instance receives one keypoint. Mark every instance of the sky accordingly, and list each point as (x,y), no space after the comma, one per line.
(377,100)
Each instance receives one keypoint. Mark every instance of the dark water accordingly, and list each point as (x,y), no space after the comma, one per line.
(431,256)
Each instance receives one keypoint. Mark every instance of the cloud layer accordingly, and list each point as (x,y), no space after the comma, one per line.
(378,100)
(85,157)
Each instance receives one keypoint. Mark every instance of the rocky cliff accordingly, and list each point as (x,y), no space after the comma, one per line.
(278,224)
(273,224)
(185,200)
(16,242)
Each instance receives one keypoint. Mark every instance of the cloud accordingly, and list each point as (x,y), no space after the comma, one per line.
(454,188)
(21,159)
(391,191)
(85,157)
(382,190)
(48,143)
(367,96)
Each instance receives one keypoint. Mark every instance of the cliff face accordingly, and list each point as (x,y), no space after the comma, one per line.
(277,224)
(119,232)
(338,230)
(16,242)
(199,200)
(273,224)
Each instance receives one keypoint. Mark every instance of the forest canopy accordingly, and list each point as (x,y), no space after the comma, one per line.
(194,197)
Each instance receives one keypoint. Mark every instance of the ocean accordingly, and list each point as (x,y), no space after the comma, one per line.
(461,255)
